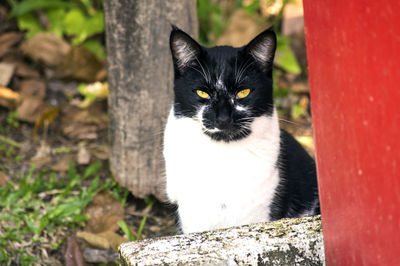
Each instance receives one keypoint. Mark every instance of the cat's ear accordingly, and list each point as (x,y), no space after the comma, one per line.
(185,50)
(262,49)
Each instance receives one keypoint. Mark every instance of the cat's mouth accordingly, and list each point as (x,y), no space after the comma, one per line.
(227,135)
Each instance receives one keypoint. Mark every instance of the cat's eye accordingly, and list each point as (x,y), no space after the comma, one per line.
(243,93)
(202,94)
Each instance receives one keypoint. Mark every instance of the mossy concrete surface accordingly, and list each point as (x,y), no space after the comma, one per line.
(296,241)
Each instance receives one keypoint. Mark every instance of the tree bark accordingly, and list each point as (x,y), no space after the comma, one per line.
(284,242)
(140,76)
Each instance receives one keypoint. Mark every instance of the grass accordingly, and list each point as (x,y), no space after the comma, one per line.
(40,205)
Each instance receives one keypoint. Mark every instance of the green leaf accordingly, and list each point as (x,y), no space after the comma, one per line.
(93,187)
(26,7)
(27,260)
(3,255)
(95,24)
(285,57)
(127,230)
(297,111)
(43,223)
(88,5)
(218,23)
(56,18)
(82,27)
(30,224)
(141,227)
(71,171)
(252,8)
(29,23)
(95,47)
(74,22)
(92,169)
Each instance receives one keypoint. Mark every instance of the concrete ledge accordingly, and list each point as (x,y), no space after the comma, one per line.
(285,242)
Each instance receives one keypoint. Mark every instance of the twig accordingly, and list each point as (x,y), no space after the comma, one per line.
(9,141)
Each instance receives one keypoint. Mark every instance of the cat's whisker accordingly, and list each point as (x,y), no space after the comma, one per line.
(209,74)
(206,76)
(242,70)
(290,122)
(238,73)
(199,72)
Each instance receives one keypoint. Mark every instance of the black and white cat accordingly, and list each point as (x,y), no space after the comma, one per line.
(227,161)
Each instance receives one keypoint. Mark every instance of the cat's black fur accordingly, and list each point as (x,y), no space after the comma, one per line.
(297,192)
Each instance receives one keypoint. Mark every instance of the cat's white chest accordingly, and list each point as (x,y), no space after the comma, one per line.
(218,184)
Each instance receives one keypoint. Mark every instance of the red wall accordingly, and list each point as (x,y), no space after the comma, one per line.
(353,49)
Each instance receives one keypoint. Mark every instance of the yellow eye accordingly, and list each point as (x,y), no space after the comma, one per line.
(202,94)
(243,93)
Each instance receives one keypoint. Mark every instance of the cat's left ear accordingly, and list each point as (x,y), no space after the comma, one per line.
(185,50)
(262,49)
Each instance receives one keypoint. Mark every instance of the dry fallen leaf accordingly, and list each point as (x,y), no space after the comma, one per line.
(80,131)
(6,73)
(42,156)
(33,88)
(25,71)
(95,114)
(103,240)
(79,64)
(46,48)
(102,74)
(104,212)
(84,124)
(94,240)
(63,164)
(83,156)
(73,255)
(8,94)
(3,179)
(113,238)
(8,40)
(9,98)
(30,109)
(45,119)
(100,152)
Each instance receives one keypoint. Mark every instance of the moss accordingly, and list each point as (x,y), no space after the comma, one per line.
(290,256)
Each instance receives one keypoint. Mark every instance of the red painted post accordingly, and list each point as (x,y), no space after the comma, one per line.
(353,52)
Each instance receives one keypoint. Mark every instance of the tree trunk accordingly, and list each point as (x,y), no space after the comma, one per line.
(285,242)
(140,76)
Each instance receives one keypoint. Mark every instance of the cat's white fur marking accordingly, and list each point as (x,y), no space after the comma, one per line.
(219,184)
(240,108)
(220,84)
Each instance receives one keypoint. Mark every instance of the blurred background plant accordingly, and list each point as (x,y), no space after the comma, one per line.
(53,114)
(214,17)
(76,20)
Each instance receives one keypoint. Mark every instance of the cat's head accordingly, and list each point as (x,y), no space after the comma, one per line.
(224,88)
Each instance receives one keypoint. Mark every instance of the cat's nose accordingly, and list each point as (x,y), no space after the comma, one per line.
(223,121)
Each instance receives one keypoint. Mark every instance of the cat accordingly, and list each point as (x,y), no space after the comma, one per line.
(227,161)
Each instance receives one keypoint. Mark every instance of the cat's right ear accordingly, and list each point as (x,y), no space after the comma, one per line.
(185,51)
